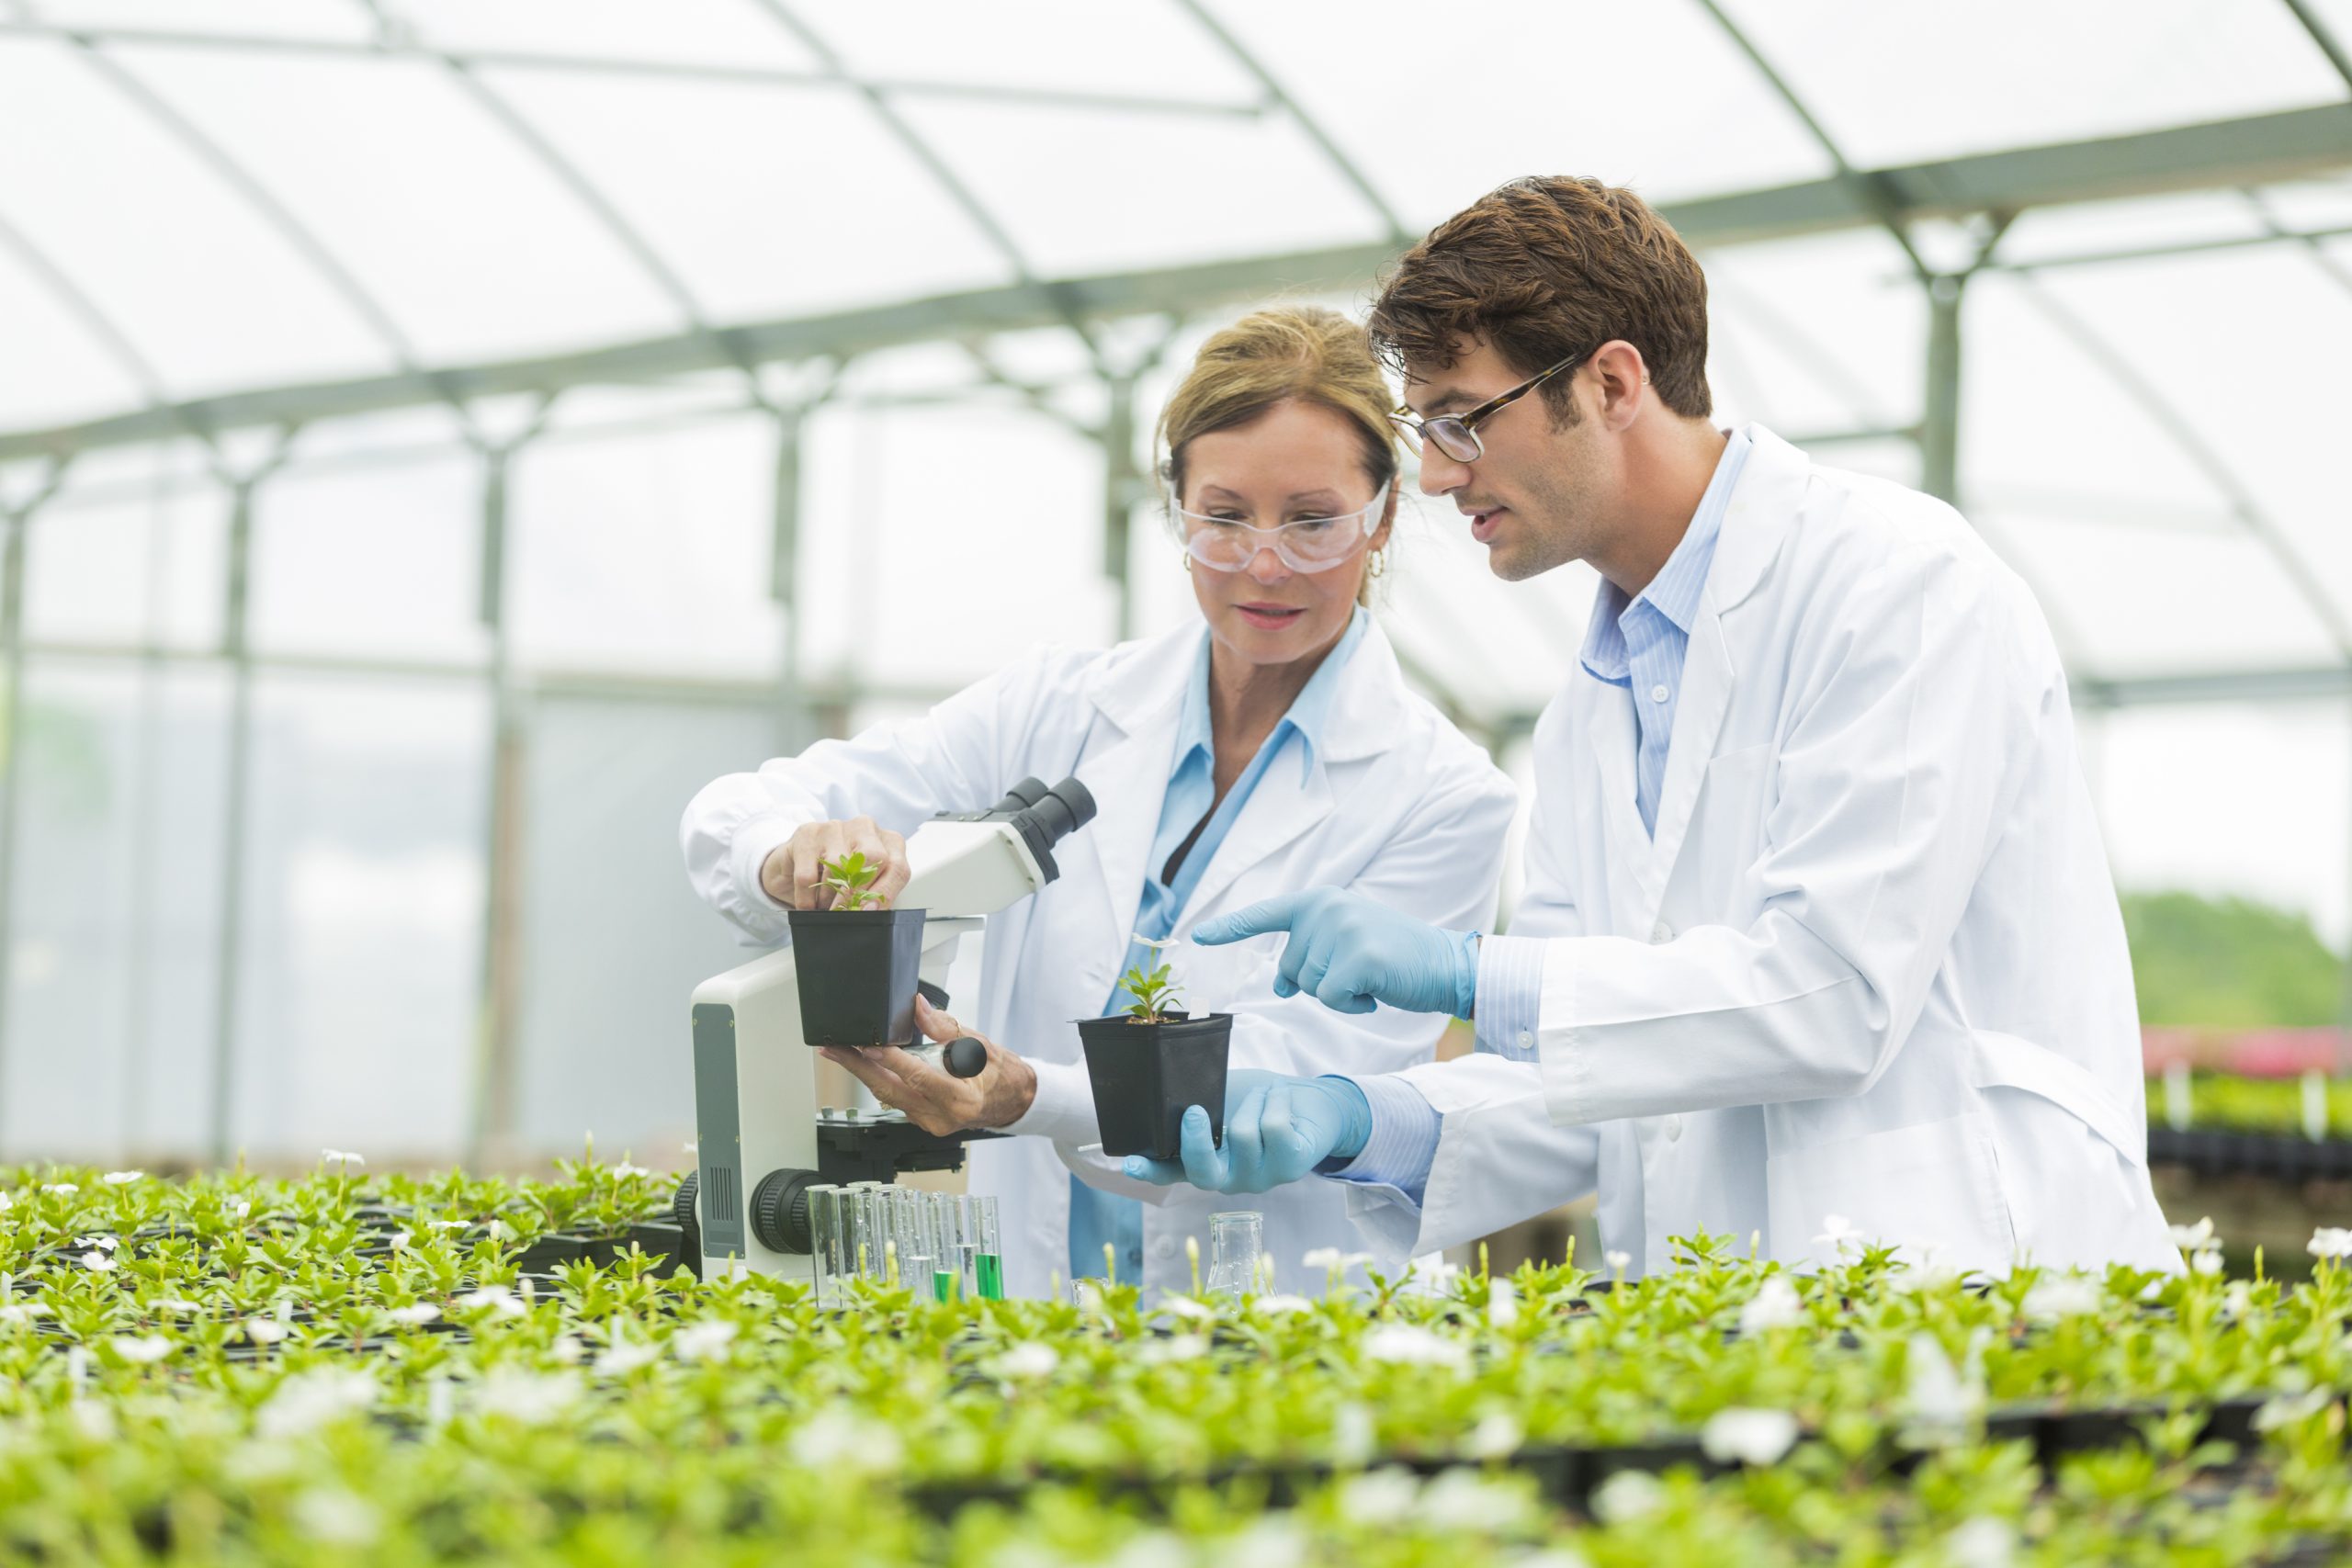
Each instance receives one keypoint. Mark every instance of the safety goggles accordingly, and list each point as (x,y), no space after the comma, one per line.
(1224,541)
(1456,435)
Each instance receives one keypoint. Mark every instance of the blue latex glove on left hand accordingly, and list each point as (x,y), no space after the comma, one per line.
(1277,1129)
(1351,954)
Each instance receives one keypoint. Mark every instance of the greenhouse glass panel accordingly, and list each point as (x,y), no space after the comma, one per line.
(126,572)
(1146,48)
(382,559)
(749,192)
(1817,335)
(59,368)
(305,19)
(507,261)
(240,307)
(720,33)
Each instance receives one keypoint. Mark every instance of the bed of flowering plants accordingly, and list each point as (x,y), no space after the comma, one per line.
(405,1372)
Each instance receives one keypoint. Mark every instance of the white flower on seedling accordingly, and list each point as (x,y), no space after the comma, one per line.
(2207,1263)
(1186,1306)
(1937,1402)
(1627,1496)
(140,1349)
(566,1351)
(1355,1436)
(498,1230)
(242,1209)
(1157,1549)
(332,1515)
(2196,1237)
(2328,1241)
(1431,1272)
(838,1438)
(451,1224)
(2063,1296)
(1618,1261)
(499,1300)
(122,1177)
(626,1170)
(343,1157)
(1406,1343)
(62,1189)
(1982,1543)
(1775,1305)
(16,1315)
(1498,1435)
(1027,1359)
(1502,1303)
(1749,1436)
(2237,1298)
(691,1148)
(177,1306)
(1384,1497)
(626,1356)
(306,1401)
(94,1420)
(1461,1501)
(265,1330)
(413,1314)
(100,1240)
(704,1341)
(96,1262)
(1837,1230)
(1332,1260)
(1272,1542)
(2292,1410)
(398,1241)
(7,1202)
(533,1398)
(1282,1303)
(1176,1347)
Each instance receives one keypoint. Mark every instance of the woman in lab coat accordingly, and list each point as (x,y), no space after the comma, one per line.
(1273,747)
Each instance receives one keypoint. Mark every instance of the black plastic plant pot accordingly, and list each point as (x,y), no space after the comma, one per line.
(1145,1075)
(857,970)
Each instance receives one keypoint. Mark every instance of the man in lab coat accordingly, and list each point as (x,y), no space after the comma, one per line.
(1816,919)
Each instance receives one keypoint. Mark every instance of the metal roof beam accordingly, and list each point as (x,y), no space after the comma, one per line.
(2229,153)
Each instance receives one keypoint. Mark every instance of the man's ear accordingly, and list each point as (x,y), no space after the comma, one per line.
(1622,381)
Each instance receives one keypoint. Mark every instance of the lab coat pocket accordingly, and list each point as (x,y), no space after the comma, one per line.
(1933,1185)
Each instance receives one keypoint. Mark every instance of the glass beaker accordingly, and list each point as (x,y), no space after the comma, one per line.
(1236,1241)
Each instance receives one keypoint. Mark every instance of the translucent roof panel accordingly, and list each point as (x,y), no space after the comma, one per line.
(1549,95)
(733,34)
(1140,48)
(61,367)
(763,198)
(382,558)
(1816,335)
(2014,72)
(467,240)
(304,20)
(129,571)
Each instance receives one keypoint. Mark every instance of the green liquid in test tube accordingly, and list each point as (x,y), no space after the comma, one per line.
(988,1263)
(943,1284)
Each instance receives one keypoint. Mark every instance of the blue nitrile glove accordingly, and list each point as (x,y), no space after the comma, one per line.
(1351,954)
(1277,1129)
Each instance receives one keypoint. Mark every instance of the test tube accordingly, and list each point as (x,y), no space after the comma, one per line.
(866,1238)
(988,1261)
(943,1212)
(909,1230)
(825,1244)
(1236,1240)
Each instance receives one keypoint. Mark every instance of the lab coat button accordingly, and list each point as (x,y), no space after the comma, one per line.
(1164,1246)
(1673,1129)
(1661,932)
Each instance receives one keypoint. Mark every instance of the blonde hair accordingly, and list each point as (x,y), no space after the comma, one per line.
(1291,353)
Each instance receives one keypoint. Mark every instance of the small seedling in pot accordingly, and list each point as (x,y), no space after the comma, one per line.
(851,880)
(1154,993)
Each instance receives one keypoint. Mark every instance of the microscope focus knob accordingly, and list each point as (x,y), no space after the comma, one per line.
(965,1057)
(780,1210)
(681,1207)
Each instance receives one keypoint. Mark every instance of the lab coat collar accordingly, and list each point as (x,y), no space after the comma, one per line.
(1142,685)
(1763,504)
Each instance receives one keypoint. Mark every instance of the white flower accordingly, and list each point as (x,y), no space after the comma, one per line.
(533,1398)
(242,1208)
(1174,1349)
(265,1330)
(177,1306)
(399,1240)
(1628,1495)
(1618,1261)
(308,1401)
(566,1349)
(63,1189)
(1502,1304)
(415,1313)
(1498,1435)
(452,1224)
(501,1301)
(7,1202)
(1837,1230)
(1937,1402)
(690,1148)
(2237,1298)
(96,1262)
(1775,1305)
(1355,1436)
(1430,1271)
(1749,1436)
(140,1349)
(1272,1542)
(18,1315)
(344,1157)
(2206,1263)
(332,1515)
(98,1239)
(2291,1410)
(626,1170)
(1457,1502)
(1027,1359)
(704,1341)
(1283,1304)
(1384,1497)
(2063,1296)
(838,1438)
(1186,1306)
(1332,1260)
(2196,1237)
(94,1420)
(1407,1345)
(624,1357)
(121,1177)
(1982,1543)
(2330,1242)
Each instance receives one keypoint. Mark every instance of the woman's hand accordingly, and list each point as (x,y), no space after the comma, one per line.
(794,873)
(1000,1095)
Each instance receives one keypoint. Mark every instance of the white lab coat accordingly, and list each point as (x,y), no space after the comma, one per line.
(1398,805)
(1872,962)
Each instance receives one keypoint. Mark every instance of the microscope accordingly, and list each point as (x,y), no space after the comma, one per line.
(760,1138)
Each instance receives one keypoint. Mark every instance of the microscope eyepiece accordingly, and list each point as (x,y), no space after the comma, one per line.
(1022,796)
(1060,811)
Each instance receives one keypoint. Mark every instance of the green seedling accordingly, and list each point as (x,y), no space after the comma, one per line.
(1154,993)
(851,880)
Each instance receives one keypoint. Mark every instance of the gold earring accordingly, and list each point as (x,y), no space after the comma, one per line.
(1187,556)
(1376,564)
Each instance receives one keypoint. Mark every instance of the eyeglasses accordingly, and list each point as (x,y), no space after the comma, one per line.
(1456,435)
(1227,541)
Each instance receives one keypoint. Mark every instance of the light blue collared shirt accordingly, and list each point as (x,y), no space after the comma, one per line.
(1639,645)
(1097,1217)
